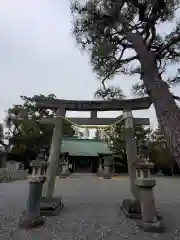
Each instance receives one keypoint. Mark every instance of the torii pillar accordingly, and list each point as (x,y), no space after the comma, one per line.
(131,150)
(131,207)
(52,205)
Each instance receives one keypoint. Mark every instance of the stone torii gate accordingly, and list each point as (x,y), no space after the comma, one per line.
(50,204)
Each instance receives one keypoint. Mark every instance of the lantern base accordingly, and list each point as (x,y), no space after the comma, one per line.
(64,174)
(107,176)
(100,173)
(131,208)
(155,227)
(51,206)
(28,222)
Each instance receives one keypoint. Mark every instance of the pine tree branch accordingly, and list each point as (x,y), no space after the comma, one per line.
(176,97)
(172,41)
(119,63)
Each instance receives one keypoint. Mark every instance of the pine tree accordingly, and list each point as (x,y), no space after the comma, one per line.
(123,36)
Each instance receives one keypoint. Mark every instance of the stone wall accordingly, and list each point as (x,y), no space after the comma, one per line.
(8,175)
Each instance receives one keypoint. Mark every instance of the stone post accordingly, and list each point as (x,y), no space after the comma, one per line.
(65,168)
(107,174)
(100,169)
(150,221)
(131,151)
(3,155)
(51,205)
(31,216)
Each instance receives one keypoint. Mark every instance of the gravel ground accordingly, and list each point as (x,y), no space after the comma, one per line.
(92,210)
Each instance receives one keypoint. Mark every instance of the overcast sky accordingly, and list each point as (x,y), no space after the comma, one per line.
(38,55)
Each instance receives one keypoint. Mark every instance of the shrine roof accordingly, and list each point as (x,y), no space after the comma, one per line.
(84,147)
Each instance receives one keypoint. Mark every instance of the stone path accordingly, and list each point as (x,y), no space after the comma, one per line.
(91,210)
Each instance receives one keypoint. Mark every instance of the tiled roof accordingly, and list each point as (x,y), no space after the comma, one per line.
(84,147)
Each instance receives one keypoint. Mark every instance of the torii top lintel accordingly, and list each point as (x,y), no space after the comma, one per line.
(100,105)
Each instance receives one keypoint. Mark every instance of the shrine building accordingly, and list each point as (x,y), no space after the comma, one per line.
(84,154)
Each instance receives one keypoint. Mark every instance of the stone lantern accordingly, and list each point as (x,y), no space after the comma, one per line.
(3,155)
(65,167)
(107,174)
(143,173)
(150,222)
(31,216)
(100,168)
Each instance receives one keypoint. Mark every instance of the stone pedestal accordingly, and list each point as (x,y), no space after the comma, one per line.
(65,171)
(150,221)
(100,171)
(131,208)
(107,174)
(51,206)
(3,155)
(31,217)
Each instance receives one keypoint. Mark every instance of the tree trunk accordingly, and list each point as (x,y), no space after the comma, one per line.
(168,113)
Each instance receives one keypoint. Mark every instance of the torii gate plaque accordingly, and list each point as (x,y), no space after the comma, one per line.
(61,106)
